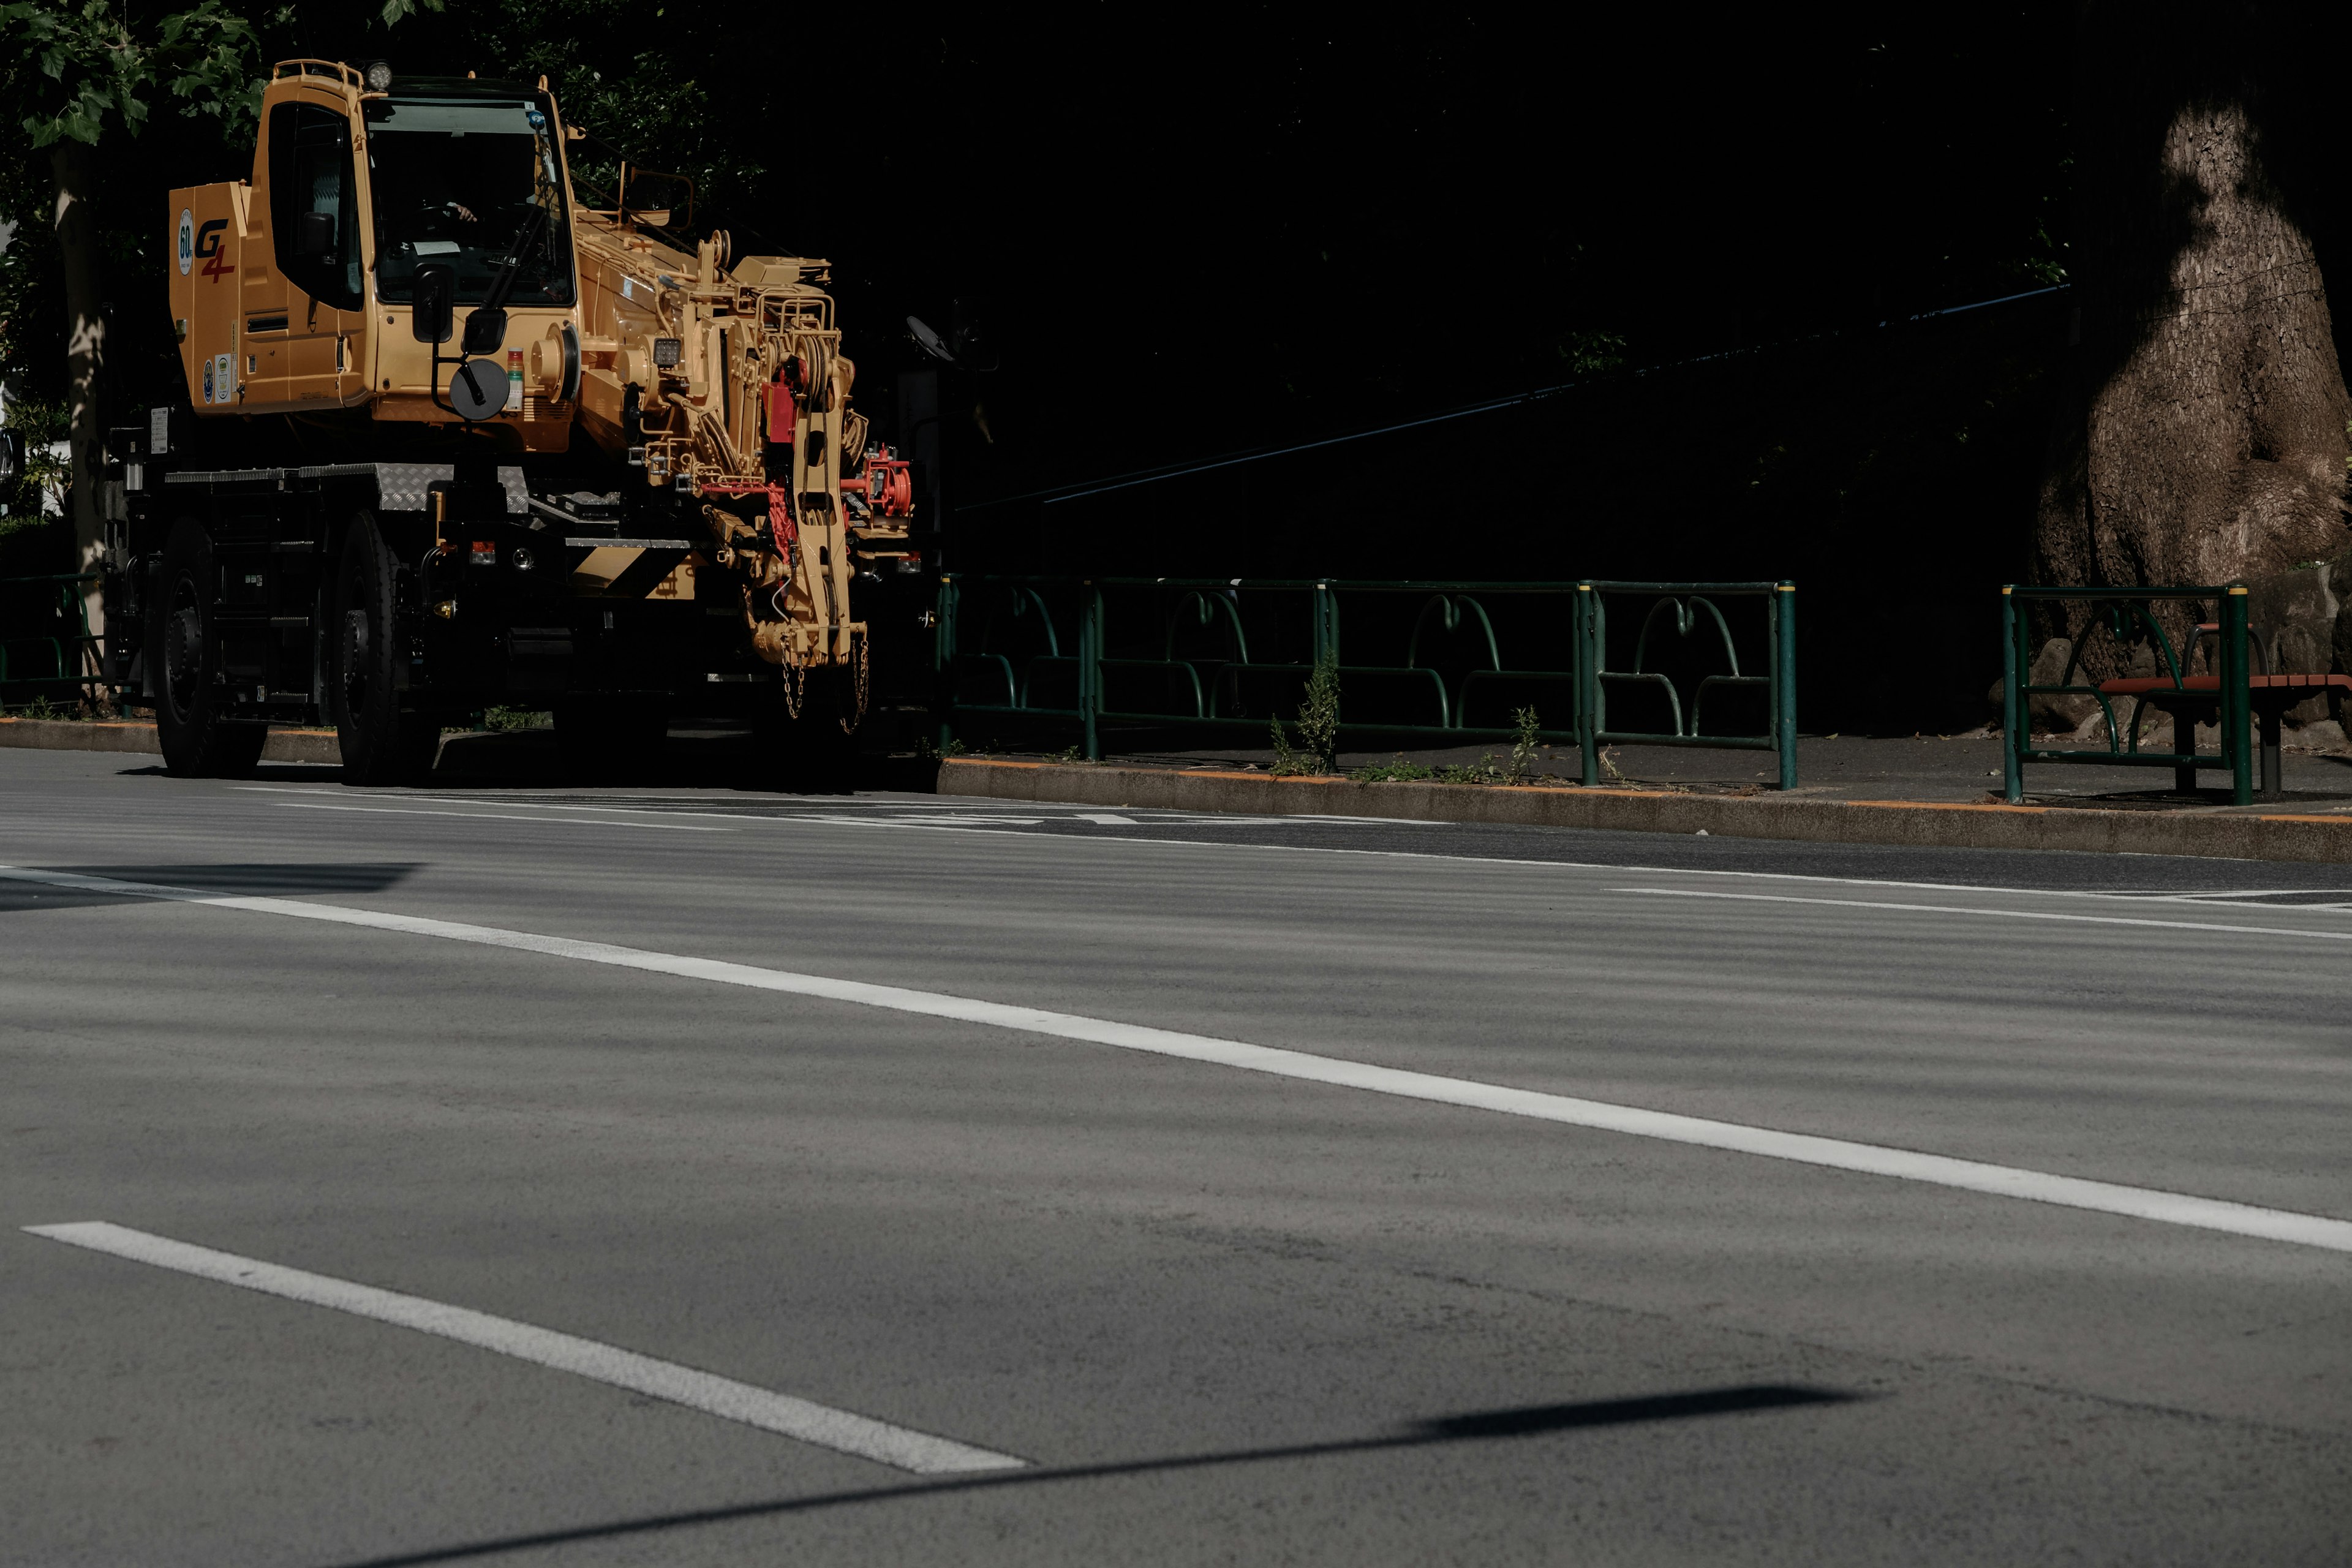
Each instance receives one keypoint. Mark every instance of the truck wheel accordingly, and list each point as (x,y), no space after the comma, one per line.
(810,755)
(196,739)
(380,744)
(610,740)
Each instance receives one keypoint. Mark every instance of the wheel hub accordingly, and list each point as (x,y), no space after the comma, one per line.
(183,649)
(355,660)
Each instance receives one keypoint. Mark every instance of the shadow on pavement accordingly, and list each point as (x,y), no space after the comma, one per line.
(17,896)
(1480,1426)
(527,759)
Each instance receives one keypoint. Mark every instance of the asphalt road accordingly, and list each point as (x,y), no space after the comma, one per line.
(1222,1190)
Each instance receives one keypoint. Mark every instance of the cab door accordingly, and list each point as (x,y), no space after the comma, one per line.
(315,232)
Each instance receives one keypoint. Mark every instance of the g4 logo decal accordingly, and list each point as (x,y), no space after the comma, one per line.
(208,248)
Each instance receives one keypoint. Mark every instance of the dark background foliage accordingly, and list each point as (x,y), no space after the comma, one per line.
(1182,234)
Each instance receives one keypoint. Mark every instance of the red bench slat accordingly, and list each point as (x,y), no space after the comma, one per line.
(2154,685)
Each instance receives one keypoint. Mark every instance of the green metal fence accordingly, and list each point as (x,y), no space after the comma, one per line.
(44,637)
(1227,653)
(1684,608)
(2129,621)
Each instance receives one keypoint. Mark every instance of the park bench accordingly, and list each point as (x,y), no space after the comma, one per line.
(2188,699)
(2231,693)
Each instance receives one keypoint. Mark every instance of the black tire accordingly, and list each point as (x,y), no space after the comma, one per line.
(381,743)
(611,740)
(183,640)
(815,752)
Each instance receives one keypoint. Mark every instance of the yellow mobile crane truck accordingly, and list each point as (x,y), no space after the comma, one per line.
(633,487)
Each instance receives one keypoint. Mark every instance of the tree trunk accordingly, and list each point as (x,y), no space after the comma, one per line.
(69,162)
(2202,425)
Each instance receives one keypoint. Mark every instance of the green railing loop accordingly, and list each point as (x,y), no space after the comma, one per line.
(1218,694)
(57,656)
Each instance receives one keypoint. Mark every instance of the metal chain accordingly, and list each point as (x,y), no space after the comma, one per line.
(860,681)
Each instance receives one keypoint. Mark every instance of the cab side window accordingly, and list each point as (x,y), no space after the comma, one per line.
(314,203)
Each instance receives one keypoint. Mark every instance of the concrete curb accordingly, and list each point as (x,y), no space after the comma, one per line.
(1919,824)
(73,735)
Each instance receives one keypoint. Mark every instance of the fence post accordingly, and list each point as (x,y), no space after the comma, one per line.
(2012,703)
(1090,632)
(1586,665)
(2237,719)
(1784,681)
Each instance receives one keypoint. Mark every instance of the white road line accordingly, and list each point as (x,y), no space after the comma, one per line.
(1991,914)
(840,1430)
(1905,1164)
(497,816)
(1519,862)
(929,825)
(915,821)
(2252,893)
(939,826)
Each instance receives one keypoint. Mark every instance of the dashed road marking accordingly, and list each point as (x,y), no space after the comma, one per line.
(841,1430)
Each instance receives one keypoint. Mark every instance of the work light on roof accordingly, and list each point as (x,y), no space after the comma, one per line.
(379,76)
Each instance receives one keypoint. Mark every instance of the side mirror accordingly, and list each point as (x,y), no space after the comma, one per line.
(436,315)
(486,331)
(314,234)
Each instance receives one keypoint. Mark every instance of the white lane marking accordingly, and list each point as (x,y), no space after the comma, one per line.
(496,817)
(1992,914)
(1107,818)
(906,821)
(1938,1170)
(952,824)
(841,1430)
(1153,842)
(965,811)
(2254,893)
(931,825)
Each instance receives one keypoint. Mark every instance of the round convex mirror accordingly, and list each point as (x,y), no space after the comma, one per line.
(478,390)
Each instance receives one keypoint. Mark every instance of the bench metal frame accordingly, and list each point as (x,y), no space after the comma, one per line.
(2129,607)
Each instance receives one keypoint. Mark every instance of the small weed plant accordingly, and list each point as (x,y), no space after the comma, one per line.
(1524,745)
(1318,726)
(1400,771)
(1484,772)
(503,719)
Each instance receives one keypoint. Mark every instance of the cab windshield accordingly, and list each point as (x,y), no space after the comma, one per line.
(473,184)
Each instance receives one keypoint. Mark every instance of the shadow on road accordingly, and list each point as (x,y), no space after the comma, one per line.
(528,759)
(1479,1426)
(18,897)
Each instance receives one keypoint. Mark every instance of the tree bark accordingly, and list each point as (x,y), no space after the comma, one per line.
(70,166)
(2202,425)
